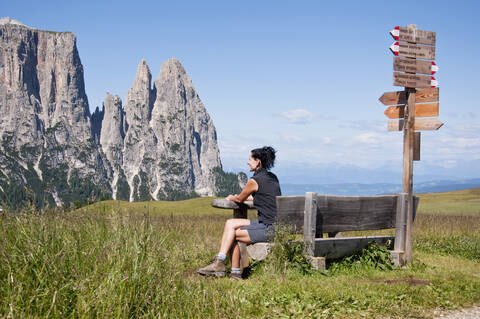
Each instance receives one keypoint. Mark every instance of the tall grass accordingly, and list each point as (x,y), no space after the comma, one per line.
(121,262)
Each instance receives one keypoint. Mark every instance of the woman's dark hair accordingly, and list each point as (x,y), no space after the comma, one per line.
(266,155)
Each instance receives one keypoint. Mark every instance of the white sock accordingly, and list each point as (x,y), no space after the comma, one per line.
(221,256)
(236,271)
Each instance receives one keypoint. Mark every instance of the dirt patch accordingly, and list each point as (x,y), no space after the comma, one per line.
(191,274)
(468,313)
(410,281)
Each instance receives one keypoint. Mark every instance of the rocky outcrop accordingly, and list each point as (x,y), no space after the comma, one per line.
(170,146)
(161,145)
(45,124)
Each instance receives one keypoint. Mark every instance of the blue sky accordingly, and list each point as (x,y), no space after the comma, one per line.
(303,76)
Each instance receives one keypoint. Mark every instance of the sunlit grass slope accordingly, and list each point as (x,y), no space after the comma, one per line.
(463,202)
(116,259)
(194,207)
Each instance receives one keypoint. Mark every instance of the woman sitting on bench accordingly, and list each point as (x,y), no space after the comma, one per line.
(264,187)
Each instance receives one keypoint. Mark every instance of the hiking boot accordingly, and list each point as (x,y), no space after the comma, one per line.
(235,277)
(216,268)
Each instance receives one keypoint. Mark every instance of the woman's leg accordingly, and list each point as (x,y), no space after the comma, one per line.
(232,227)
(241,235)
(229,233)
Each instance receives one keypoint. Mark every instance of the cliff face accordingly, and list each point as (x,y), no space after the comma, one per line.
(161,145)
(45,125)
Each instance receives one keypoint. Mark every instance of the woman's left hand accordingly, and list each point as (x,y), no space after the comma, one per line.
(231,197)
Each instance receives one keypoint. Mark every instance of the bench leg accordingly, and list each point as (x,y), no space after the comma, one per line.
(398,258)
(318,263)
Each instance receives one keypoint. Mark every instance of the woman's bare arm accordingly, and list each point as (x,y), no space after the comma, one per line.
(249,189)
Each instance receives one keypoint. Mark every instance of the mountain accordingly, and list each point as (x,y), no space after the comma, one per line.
(161,145)
(163,142)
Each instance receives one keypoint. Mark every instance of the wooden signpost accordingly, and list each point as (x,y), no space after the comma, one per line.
(400,97)
(414,66)
(403,109)
(413,35)
(410,50)
(421,110)
(419,125)
(414,80)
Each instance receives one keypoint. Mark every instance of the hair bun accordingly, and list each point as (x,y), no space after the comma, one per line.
(266,155)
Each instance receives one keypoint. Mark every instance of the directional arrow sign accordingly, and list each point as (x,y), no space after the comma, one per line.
(413,80)
(411,35)
(420,124)
(414,66)
(410,50)
(400,97)
(421,110)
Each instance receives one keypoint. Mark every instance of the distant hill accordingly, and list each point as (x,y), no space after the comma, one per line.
(359,189)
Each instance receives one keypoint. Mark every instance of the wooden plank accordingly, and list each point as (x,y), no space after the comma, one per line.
(414,80)
(410,50)
(310,222)
(290,212)
(425,124)
(333,248)
(421,110)
(345,213)
(400,97)
(413,35)
(416,145)
(414,66)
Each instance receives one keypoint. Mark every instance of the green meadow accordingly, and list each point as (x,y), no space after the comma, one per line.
(115,259)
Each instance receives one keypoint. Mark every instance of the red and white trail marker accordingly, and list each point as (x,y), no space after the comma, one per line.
(394,48)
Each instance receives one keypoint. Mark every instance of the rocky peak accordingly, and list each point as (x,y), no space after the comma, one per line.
(7,20)
(140,96)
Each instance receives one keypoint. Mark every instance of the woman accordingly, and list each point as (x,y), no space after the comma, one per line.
(264,187)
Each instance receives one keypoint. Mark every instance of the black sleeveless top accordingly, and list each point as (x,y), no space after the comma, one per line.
(264,197)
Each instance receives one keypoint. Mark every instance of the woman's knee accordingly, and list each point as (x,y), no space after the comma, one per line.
(242,235)
(235,223)
(230,223)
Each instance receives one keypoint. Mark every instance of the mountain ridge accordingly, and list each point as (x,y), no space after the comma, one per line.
(161,144)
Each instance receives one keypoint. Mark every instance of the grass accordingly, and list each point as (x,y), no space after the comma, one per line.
(458,203)
(138,260)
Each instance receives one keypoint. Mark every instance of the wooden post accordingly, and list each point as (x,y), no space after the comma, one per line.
(408,146)
(398,253)
(310,230)
(310,222)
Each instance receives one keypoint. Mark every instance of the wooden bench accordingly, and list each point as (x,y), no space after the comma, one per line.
(315,215)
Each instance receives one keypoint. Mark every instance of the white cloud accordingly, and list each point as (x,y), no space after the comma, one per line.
(300,116)
(327,140)
(289,138)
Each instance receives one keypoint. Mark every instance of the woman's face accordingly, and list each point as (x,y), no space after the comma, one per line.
(254,163)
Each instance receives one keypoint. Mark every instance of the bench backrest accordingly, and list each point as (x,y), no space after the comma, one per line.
(339,213)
